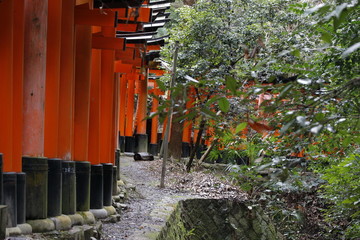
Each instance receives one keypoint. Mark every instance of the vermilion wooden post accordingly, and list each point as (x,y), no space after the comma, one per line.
(6,88)
(129,140)
(123,87)
(67,81)
(186,139)
(141,136)
(82,92)
(34,77)
(116,111)
(94,134)
(154,125)
(107,153)
(53,79)
(18,77)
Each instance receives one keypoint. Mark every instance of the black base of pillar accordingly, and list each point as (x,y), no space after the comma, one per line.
(82,170)
(153,149)
(141,143)
(21,197)
(1,180)
(10,197)
(185,151)
(114,180)
(122,143)
(96,187)
(129,144)
(68,188)
(117,164)
(36,170)
(108,182)
(54,187)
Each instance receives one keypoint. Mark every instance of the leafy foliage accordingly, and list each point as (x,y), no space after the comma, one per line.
(343,190)
(303,55)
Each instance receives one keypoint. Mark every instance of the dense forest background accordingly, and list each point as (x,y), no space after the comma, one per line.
(277,84)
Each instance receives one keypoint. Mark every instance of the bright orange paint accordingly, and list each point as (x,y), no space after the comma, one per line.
(34,77)
(82,92)
(141,106)
(188,123)
(52,79)
(155,120)
(96,17)
(6,88)
(130,105)
(107,101)
(94,134)
(18,77)
(67,82)
(122,107)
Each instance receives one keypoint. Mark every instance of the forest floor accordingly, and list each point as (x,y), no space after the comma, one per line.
(148,206)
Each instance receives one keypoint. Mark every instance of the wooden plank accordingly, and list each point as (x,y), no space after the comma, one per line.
(96,17)
(123,68)
(109,43)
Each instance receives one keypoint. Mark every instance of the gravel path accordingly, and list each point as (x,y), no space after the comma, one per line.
(146,213)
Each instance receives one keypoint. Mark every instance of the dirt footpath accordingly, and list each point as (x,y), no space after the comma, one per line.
(147,212)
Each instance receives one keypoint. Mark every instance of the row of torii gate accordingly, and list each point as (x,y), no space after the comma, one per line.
(69,74)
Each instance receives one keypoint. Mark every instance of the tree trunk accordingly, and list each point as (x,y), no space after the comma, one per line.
(197,144)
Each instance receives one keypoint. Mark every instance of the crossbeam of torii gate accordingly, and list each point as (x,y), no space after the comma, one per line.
(60,100)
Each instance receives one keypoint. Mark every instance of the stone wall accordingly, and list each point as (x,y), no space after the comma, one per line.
(217,219)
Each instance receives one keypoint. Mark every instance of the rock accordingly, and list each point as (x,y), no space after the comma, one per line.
(42,225)
(123,206)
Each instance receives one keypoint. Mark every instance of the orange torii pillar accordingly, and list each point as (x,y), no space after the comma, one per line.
(115,128)
(154,147)
(107,121)
(141,138)
(35,37)
(186,138)
(83,38)
(18,77)
(123,87)
(52,106)
(8,197)
(129,123)
(122,70)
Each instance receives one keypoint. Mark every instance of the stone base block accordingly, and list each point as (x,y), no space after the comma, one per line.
(41,225)
(88,217)
(13,231)
(110,210)
(99,213)
(76,219)
(62,222)
(3,221)
(25,228)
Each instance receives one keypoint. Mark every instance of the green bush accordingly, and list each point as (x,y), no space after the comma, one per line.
(343,189)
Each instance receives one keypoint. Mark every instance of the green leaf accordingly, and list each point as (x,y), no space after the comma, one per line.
(326,37)
(346,142)
(231,84)
(206,111)
(224,104)
(287,126)
(350,50)
(240,127)
(284,91)
(296,53)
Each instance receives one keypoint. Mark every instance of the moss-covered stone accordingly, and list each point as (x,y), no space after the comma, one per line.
(213,219)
